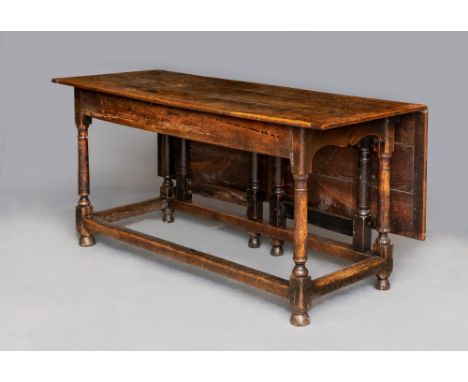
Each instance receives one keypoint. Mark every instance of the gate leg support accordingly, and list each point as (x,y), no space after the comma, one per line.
(383,246)
(276,197)
(167,190)
(362,231)
(254,200)
(183,178)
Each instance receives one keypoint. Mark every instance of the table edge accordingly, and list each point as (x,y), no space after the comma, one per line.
(406,108)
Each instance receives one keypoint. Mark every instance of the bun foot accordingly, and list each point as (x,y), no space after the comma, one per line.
(168,218)
(382,284)
(276,250)
(300,319)
(254,241)
(87,241)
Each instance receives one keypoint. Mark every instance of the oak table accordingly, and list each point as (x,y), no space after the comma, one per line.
(317,158)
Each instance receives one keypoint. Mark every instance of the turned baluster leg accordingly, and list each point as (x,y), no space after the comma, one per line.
(300,281)
(362,231)
(167,190)
(383,246)
(84,207)
(255,202)
(276,197)
(183,191)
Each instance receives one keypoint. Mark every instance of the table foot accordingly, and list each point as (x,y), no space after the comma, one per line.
(87,241)
(382,283)
(300,319)
(168,217)
(276,248)
(254,240)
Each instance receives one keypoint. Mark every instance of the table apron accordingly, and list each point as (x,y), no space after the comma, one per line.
(236,133)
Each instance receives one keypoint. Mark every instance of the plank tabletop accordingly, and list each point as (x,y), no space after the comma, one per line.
(260,102)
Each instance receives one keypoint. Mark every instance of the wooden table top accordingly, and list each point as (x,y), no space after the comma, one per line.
(267,103)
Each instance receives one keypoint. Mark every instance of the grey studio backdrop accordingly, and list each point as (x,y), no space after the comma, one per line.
(56,295)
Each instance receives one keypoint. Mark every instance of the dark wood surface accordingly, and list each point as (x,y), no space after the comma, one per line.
(296,146)
(267,103)
(247,135)
(333,185)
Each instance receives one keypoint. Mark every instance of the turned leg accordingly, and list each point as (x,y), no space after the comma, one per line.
(383,246)
(167,190)
(361,223)
(254,200)
(84,207)
(183,180)
(276,197)
(300,281)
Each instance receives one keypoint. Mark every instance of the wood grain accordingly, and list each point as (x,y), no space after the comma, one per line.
(223,173)
(267,103)
(346,276)
(259,127)
(234,271)
(220,130)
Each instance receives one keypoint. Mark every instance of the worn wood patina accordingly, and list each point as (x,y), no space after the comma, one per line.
(344,163)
